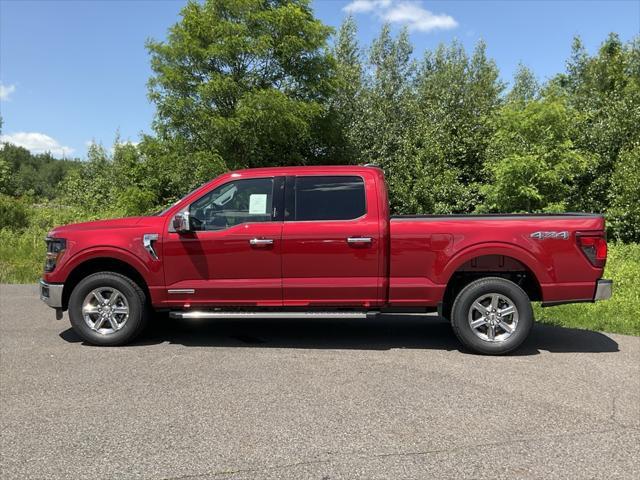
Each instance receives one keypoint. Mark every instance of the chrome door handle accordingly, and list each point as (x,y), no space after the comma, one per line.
(261,241)
(359,240)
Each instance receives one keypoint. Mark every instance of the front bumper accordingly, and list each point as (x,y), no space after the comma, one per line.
(51,293)
(604,290)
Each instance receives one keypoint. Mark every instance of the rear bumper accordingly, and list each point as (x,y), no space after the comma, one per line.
(604,290)
(51,293)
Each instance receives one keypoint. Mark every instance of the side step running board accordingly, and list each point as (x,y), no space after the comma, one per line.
(269,314)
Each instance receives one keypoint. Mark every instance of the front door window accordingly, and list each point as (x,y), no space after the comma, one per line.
(232,204)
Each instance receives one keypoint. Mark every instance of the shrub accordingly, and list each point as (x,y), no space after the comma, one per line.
(13,213)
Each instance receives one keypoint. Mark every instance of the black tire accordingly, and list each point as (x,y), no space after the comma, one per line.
(137,305)
(485,287)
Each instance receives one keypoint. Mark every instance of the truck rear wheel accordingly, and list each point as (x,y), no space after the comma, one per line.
(107,308)
(492,316)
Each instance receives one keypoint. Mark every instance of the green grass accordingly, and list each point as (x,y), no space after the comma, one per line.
(620,314)
(22,251)
(21,255)
(22,258)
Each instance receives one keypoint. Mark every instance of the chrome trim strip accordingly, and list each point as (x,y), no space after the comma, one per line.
(219,314)
(181,290)
(604,290)
(54,299)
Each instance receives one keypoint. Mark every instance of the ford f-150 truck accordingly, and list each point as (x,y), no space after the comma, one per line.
(319,241)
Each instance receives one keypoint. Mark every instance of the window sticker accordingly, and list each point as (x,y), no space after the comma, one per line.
(258,204)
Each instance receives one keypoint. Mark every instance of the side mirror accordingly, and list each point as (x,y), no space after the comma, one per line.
(181,222)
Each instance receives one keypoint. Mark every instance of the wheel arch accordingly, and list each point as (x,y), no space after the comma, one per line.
(101,264)
(508,262)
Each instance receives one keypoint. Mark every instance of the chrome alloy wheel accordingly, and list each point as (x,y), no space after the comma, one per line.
(105,310)
(493,317)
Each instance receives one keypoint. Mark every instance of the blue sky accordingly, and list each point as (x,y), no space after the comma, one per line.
(73,72)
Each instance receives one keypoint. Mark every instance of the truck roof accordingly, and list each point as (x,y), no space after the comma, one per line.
(308,169)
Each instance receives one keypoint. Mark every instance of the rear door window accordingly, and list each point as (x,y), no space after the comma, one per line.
(329,198)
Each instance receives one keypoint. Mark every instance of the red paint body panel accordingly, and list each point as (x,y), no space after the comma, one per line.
(425,252)
(119,239)
(223,268)
(408,263)
(319,267)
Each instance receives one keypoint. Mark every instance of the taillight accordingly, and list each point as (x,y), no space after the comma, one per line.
(594,247)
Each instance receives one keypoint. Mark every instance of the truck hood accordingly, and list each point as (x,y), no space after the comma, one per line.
(115,223)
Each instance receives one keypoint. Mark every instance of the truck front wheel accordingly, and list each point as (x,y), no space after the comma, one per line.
(492,316)
(107,308)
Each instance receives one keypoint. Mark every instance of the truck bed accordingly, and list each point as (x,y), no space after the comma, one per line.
(427,250)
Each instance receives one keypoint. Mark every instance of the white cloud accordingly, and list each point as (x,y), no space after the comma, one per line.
(6,91)
(418,18)
(409,13)
(361,6)
(37,143)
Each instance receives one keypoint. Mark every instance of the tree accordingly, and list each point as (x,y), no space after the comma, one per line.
(245,80)
(604,91)
(458,97)
(387,113)
(171,169)
(5,176)
(623,216)
(525,86)
(347,103)
(532,162)
(23,173)
(444,153)
(93,186)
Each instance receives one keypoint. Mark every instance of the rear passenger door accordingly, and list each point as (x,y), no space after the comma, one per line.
(330,242)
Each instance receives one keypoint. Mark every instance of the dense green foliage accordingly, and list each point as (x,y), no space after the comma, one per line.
(25,174)
(248,83)
(245,80)
(532,158)
(13,213)
(624,212)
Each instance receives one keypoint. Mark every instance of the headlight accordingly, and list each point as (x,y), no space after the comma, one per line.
(55,249)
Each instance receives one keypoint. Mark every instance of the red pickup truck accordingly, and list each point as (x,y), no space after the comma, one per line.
(319,241)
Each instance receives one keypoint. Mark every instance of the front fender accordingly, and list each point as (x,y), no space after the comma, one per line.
(150,270)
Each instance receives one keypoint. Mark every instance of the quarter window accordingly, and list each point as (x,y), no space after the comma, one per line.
(329,198)
(233,203)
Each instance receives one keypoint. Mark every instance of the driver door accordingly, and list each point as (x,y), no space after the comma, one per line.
(231,255)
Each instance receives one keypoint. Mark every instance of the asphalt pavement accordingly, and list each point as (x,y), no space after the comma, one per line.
(389,398)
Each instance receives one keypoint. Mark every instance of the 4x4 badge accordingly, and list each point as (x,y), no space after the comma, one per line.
(544,235)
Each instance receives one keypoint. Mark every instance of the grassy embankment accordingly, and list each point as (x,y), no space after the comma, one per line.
(22,257)
(620,314)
